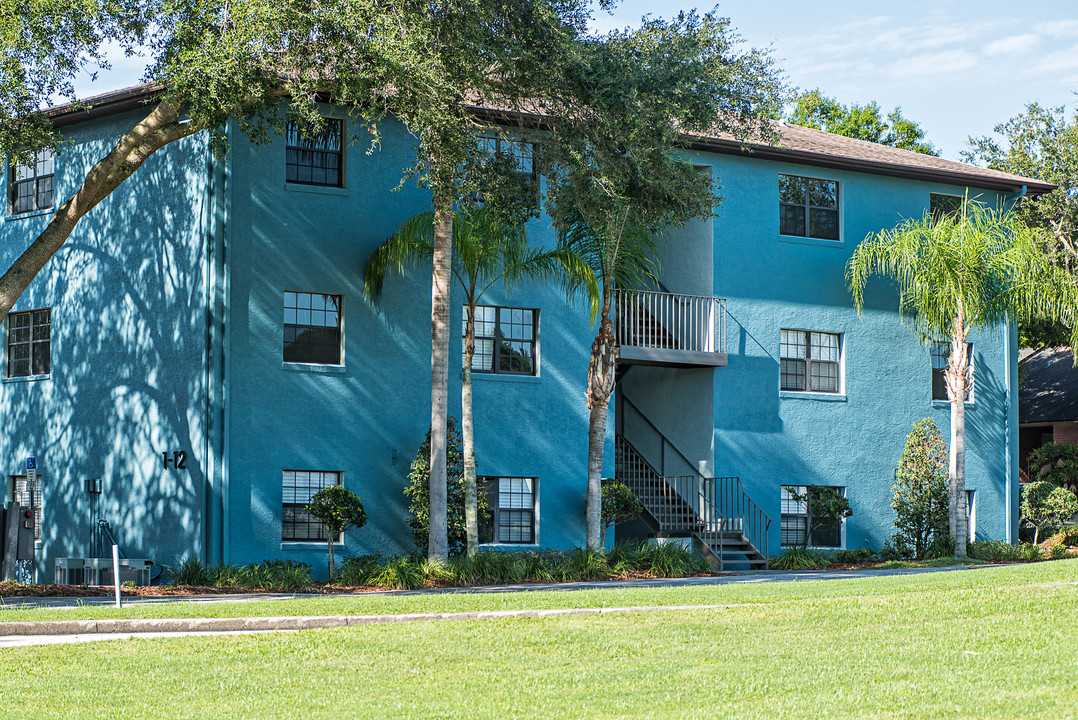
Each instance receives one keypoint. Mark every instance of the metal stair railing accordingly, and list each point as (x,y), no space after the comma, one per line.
(719,505)
(670,321)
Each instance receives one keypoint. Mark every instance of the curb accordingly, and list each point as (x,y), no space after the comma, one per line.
(263,624)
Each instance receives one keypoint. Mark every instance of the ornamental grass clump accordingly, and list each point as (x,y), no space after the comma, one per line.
(799,558)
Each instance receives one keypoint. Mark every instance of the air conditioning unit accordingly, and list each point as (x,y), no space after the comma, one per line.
(98,571)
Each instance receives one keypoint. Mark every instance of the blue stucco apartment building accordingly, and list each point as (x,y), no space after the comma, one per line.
(202,346)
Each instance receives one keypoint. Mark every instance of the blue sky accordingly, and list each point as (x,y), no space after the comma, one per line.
(957,68)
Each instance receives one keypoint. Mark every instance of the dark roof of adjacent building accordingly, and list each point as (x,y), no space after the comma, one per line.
(1048,387)
(796,145)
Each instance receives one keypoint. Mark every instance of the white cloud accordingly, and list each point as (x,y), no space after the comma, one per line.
(1013,45)
(1058,28)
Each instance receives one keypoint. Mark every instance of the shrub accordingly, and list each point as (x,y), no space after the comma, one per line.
(358,570)
(1056,463)
(403,573)
(941,546)
(799,558)
(1028,551)
(896,549)
(339,509)
(1067,536)
(617,505)
(189,571)
(992,550)
(418,492)
(275,575)
(919,494)
(1045,504)
(853,557)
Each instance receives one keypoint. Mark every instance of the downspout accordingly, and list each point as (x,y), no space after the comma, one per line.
(1010,425)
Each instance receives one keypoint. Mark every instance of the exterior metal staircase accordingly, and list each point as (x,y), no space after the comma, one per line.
(726,526)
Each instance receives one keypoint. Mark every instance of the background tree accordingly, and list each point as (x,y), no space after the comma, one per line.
(619,504)
(1040,143)
(981,268)
(339,509)
(919,494)
(1045,504)
(487,250)
(618,112)
(427,65)
(418,493)
(1056,463)
(815,110)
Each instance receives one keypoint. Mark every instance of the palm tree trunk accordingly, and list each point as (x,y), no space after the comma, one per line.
(161,127)
(441,277)
(471,502)
(601,371)
(957,390)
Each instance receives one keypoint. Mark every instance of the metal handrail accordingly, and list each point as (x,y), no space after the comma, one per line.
(670,321)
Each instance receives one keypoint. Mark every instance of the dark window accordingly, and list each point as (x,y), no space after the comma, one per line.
(314,157)
(504,340)
(521,153)
(299,486)
(31,184)
(312,328)
(512,504)
(809,361)
(941,355)
(29,343)
(794,521)
(944,206)
(808,207)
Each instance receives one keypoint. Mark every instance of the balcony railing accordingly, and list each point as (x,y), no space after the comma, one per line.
(660,323)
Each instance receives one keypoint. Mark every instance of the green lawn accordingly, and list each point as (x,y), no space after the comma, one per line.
(995,642)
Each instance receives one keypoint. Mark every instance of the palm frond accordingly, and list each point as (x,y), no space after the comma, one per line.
(412,242)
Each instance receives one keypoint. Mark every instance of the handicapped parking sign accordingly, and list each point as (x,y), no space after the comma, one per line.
(31,463)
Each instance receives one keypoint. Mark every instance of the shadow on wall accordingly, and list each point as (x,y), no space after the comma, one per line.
(127,384)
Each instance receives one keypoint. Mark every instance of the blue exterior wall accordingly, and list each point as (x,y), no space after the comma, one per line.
(770,438)
(167,335)
(368,418)
(128,381)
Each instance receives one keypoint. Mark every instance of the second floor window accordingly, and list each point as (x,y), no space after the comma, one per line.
(314,157)
(312,328)
(505,340)
(31,184)
(808,207)
(810,361)
(29,343)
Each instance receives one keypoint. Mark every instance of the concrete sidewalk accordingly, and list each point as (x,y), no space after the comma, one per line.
(54,631)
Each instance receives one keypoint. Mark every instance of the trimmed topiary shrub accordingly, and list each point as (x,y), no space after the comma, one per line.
(618,505)
(1045,504)
(919,494)
(339,509)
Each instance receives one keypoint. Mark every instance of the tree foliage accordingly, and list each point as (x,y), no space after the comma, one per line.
(919,494)
(619,111)
(1040,143)
(417,491)
(981,268)
(1056,463)
(815,110)
(339,509)
(1045,504)
(619,504)
(824,505)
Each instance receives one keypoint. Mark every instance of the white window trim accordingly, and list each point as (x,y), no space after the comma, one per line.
(838,395)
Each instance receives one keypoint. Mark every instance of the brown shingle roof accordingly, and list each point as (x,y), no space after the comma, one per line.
(796,145)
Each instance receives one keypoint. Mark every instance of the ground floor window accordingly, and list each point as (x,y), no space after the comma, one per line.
(796,522)
(28,496)
(514,507)
(299,486)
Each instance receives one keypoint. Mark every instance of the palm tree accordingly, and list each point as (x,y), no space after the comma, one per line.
(620,254)
(981,267)
(486,250)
